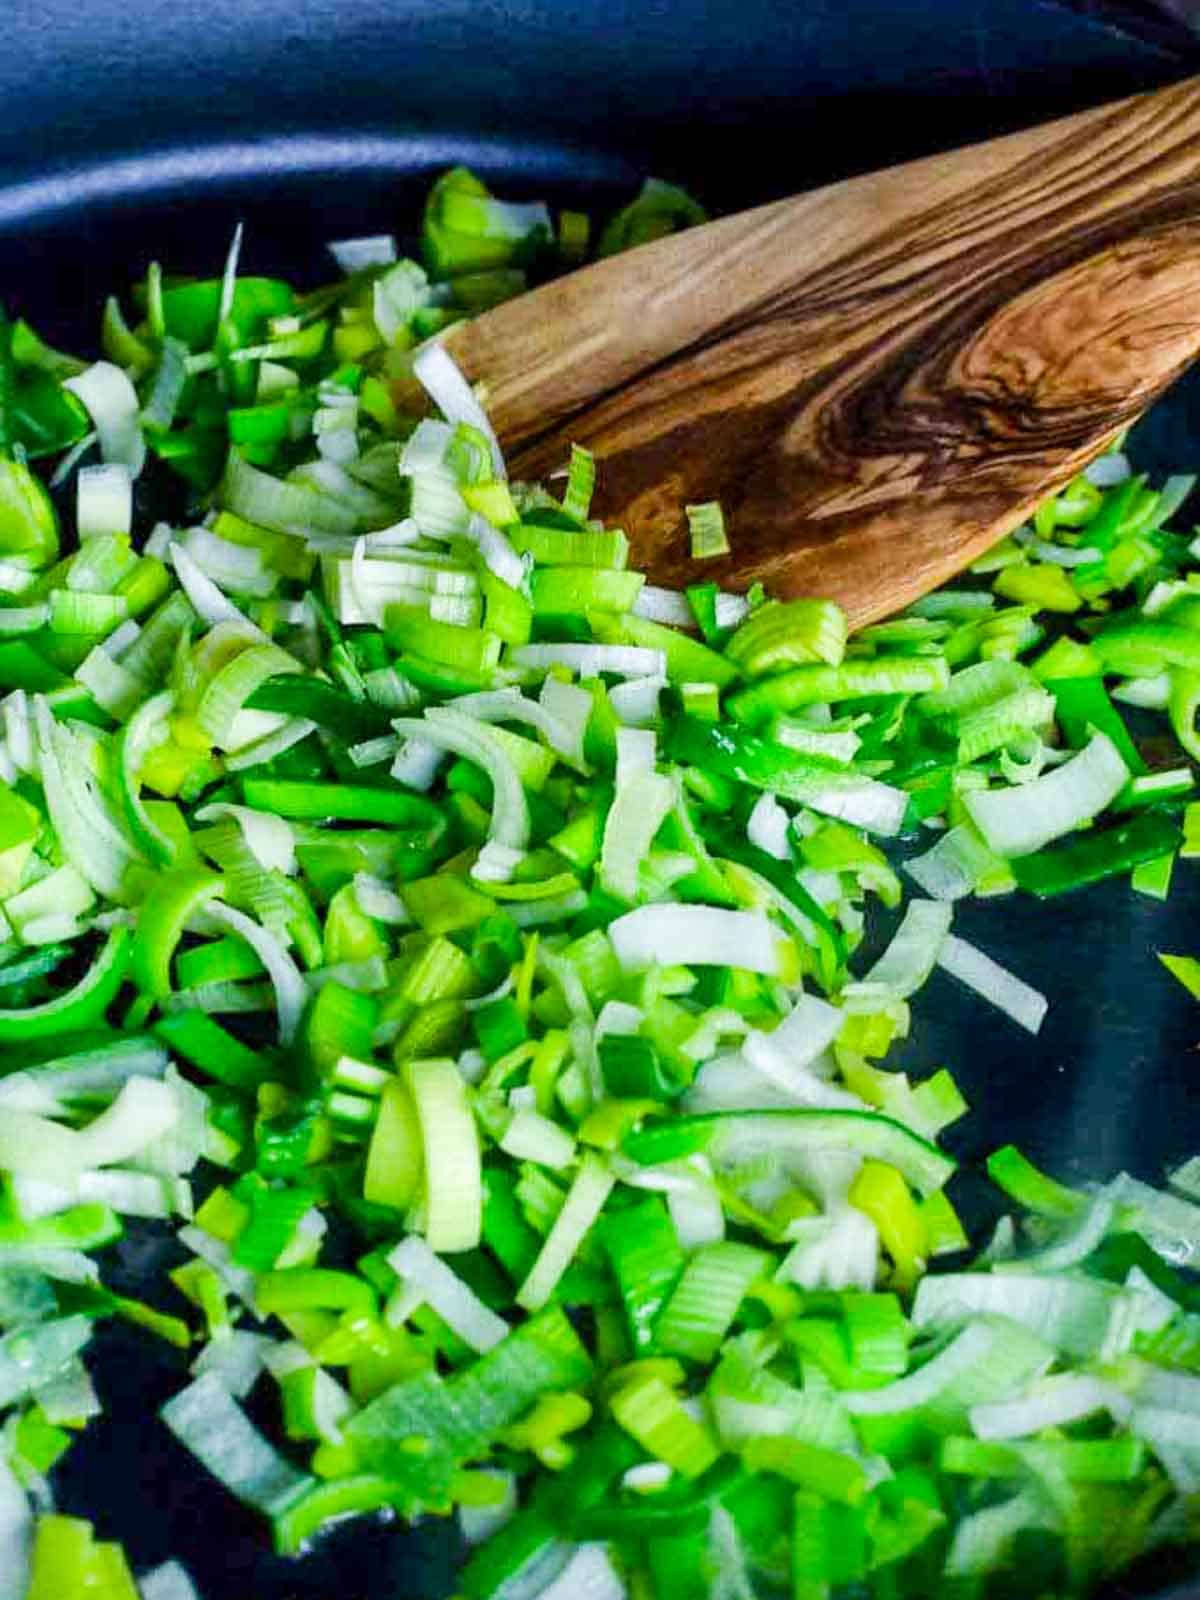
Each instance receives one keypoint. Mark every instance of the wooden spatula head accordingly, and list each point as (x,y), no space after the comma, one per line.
(878,379)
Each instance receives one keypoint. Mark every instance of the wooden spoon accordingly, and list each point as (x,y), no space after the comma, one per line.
(878,379)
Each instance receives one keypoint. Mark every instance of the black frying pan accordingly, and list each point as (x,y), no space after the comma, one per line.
(133,127)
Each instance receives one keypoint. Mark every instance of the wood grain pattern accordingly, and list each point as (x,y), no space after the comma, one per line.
(877,379)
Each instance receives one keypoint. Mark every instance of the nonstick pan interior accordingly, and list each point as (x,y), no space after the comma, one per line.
(131,132)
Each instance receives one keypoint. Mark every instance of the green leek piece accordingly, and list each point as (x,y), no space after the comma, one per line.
(190,310)
(507,613)
(461,649)
(581,469)
(20,826)
(446,904)
(217,961)
(647,1261)
(853,680)
(465,230)
(324,1503)
(736,753)
(828,1473)
(633,1069)
(67,1560)
(339,802)
(659,209)
(354,721)
(453,1186)
(687,660)
(350,935)
(654,1416)
(175,898)
(1029,1188)
(394,1160)
(340,1022)
(1092,857)
(195,1037)
(271,1226)
(704,1303)
(499,1028)
(787,635)
(721,1136)
(569,591)
(1082,703)
(306,1288)
(79,1006)
(706,530)
(829,1545)
(28,521)
(458,1418)
(553,546)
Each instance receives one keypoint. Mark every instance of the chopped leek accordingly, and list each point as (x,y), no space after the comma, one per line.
(515,927)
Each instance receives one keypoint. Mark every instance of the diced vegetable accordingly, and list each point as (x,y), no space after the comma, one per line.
(490,923)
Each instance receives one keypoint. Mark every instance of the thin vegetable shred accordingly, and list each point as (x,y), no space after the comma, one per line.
(488,965)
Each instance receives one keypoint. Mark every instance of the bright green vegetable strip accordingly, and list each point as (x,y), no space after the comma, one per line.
(1103,853)
(829,1546)
(852,680)
(1032,1189)
(465,649)
(340,802)
(1082,703)
(324,1503)
(499,1027)
(274,1216)
(646,1259)
(392,1176)
(28,523)
(306,1288)
(352,720)
(828,1473)
(633,1069)
(227,692)
(78,1007)
(745,757)
(688,661)
(1153,877)
(174,899)
(573,590)
(558,546)
(733,1136)
(465,230)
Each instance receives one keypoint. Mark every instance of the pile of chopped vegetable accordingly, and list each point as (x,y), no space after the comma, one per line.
(378,849)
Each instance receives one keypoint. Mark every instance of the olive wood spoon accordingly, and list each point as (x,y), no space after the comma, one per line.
(877,379)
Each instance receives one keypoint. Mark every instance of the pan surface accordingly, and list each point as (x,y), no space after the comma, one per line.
(135,130)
